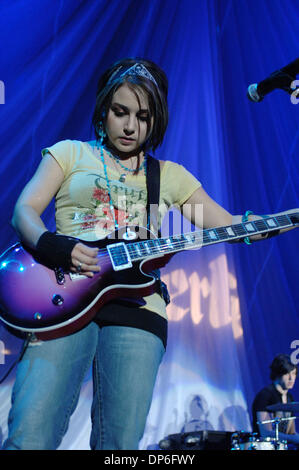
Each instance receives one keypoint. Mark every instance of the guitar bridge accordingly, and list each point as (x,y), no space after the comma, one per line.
(119,256)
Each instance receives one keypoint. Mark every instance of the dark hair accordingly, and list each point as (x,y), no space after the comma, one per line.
(111,80)
(281,365)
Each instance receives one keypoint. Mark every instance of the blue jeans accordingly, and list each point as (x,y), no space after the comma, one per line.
(49,378)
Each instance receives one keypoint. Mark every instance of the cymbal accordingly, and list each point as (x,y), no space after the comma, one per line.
(292,407)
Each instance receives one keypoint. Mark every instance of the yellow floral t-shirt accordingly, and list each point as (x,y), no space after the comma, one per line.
(83,202)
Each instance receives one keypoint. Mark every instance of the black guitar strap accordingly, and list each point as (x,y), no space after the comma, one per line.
(152,210)
(153,192)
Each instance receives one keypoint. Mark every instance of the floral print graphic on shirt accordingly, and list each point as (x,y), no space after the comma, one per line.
(128,203)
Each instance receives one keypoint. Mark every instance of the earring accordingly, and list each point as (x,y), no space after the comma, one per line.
(101,132)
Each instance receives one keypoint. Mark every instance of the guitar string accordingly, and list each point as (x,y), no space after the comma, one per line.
(173,243)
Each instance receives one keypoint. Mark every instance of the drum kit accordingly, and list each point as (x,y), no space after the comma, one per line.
(240,440)
(250,441)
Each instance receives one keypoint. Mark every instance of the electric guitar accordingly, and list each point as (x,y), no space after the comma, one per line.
(52,303)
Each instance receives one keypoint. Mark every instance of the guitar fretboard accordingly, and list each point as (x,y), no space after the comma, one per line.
(122,255)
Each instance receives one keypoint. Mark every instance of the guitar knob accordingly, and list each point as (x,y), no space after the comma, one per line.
(57,299)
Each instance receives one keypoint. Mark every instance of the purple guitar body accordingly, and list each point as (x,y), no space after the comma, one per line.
(51,303)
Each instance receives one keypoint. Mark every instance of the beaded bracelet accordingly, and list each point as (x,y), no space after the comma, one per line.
(245,219)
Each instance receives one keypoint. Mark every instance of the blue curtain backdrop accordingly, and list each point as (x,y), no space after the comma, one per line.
(233,307)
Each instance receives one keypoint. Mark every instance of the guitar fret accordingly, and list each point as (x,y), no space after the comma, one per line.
(146,247)
(133,250)
(138,249)
(169,242)
(180,240)
(283,220)
(230,231)
(162,245)
(141,248)
(272,223)
(222,233)
(240,230)
(153,246)
(209,235)
(261,224)
(249,226)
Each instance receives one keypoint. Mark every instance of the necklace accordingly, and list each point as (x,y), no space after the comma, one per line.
(109,189)
(131,170)
(108,183)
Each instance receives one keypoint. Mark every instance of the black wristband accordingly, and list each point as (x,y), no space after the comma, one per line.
(55,250)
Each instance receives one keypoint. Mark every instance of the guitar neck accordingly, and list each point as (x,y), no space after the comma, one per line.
(197,239)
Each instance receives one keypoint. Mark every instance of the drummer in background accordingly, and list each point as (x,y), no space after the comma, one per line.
(283,376)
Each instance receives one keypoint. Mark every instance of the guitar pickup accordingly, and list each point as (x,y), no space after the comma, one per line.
(119,256)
